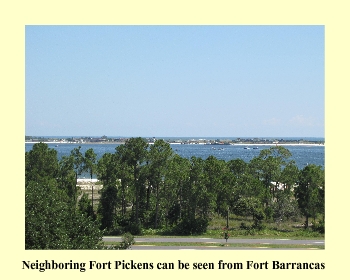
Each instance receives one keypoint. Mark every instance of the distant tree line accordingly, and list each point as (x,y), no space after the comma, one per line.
(149,186)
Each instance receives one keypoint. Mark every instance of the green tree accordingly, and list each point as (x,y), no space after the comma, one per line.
(158,158)
(85,206)
(78,161)
(284,205)
(107,206)
(45,217)
(89,165)
(176,179)
(50,222)
(113,171)
(218,185)
(194,190)
(268,167)
(238,167)
(113,195)
(124,175)
(133,153)
(197,200)
(107,169)
(41,164)
(66,178)
(245,184)
(250,206)
(310,191)
(78,164)
(289,176)
(89,162)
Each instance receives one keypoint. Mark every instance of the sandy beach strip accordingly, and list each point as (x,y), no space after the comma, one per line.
(279,144)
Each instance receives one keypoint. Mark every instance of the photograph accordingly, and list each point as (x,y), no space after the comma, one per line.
(174,137)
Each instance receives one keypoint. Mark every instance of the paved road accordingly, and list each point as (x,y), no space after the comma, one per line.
(212,243)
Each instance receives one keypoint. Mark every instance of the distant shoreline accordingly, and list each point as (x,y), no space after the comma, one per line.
(62,143)
(235,144)
(281,144)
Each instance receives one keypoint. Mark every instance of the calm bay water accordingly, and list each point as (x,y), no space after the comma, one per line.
(302,155)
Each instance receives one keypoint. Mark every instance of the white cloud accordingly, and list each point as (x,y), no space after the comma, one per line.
(272,121)
(300,120)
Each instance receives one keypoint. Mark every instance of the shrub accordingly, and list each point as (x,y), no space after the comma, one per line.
(244,226)
(319,226)
(127,241)
(192,226)
(258,217)
(134,228)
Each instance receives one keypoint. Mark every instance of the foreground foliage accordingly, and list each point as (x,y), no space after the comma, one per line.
(150,187)
(52,220)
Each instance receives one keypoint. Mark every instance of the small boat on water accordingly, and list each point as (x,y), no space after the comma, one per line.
(256,148)
(246,148)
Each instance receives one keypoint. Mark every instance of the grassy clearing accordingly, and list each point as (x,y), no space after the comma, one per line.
(288,229)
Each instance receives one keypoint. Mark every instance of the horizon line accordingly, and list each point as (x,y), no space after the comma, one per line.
(123,136)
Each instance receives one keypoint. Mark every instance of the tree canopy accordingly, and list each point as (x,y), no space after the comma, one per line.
(149,186)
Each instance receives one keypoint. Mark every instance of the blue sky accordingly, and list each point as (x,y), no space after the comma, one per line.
(227,81)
